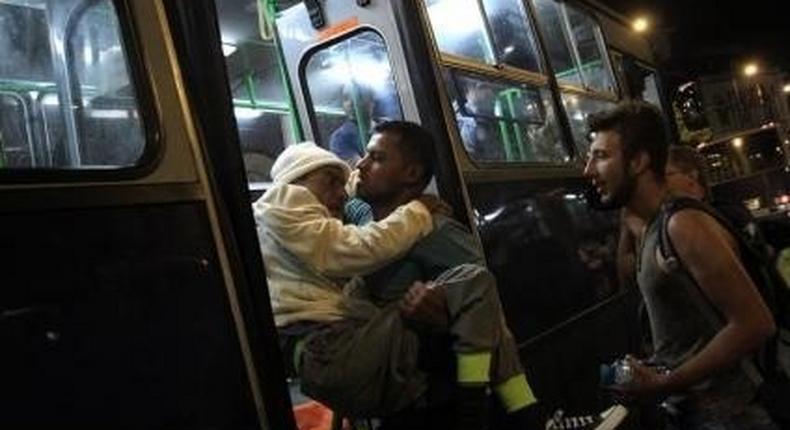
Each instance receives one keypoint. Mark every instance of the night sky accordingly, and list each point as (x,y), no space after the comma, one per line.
(708,36)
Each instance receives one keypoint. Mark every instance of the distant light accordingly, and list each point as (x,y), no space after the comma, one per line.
(737,142)
(228,49)
(245,113)
(786,88)
(750,69)
(640,25)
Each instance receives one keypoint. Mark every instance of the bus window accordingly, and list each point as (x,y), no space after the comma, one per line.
(579,107)
(264,115)
(459,29)
(72,107)
(501,34)
(586,38)
(575,46)
(505,121)
(557,41)
(351,89)
(553,254)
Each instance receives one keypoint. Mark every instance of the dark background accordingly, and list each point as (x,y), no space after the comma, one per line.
(714,36)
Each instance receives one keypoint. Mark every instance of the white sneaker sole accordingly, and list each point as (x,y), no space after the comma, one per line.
(612,417)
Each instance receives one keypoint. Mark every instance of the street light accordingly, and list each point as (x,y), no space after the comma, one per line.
(737,142)
(786,88)
(750,69)
(640,24)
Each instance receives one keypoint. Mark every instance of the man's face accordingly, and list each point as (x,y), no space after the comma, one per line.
(328,185)
(608,170)
(684,183)
(383,172)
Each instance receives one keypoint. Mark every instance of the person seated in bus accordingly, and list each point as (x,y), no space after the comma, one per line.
(705,387)
(397,167)
(477,126)
(346,141)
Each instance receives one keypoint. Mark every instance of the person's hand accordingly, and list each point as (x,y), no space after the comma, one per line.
(647,383)
(435,205)
(425,304)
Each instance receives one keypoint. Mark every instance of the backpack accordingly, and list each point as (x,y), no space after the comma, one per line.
(769,368)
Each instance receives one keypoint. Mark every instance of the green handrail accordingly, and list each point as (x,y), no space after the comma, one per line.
(270,13)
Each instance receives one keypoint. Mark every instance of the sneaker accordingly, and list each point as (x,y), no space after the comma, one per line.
(607,420)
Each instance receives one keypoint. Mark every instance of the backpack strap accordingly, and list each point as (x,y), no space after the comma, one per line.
(670,208)
(673,262)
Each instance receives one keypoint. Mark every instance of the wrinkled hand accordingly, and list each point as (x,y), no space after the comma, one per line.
(435,205)
(425,305)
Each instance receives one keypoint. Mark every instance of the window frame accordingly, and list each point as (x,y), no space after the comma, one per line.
(308,54)
(601,42)
(147,109)
(498,72)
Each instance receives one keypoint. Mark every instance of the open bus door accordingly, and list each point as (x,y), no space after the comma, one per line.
(510,129)
(132,295)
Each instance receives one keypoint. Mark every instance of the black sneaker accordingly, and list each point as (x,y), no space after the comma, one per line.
(607,420)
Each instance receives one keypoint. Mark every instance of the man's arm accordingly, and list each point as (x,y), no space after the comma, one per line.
(707,251)
(449,245)
(304,227)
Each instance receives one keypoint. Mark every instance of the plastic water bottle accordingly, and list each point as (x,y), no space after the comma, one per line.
(618,373)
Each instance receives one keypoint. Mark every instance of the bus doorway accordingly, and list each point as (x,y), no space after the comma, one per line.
(506,90)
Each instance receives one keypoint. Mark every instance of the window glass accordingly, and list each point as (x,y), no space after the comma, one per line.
(514,39)
(557,41)
(16,142)
(71,106)
(459,29)
(579,108)
(111,132)
(504,121)
(596,74)
(552,255)
(650,93)
(352,88)
(264,116)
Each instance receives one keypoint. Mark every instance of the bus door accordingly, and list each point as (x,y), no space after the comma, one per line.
(505,86)
(123,301)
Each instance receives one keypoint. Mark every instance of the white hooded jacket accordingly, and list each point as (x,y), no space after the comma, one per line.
(310,256)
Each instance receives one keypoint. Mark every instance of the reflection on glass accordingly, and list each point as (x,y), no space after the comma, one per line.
(514,39)
(263,114)
(588,45)
(579,108)
(650,93)
(351,89)
(557,41)
(459,29)
(15,140)
(105,126)
(551,254)
(505,121)
(111,131)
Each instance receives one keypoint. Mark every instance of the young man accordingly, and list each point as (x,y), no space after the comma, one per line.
(706,386)
(360,359)
(397,167)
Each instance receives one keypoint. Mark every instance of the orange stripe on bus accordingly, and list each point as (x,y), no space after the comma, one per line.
(339,28)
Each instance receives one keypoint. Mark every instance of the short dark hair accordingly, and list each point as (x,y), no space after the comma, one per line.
(414,142)
(641,128)
(688,160)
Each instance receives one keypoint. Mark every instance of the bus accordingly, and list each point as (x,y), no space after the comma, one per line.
(135,134)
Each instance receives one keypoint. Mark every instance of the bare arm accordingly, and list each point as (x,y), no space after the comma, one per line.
(708,252)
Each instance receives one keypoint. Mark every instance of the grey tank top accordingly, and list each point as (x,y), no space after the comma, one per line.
(680,331)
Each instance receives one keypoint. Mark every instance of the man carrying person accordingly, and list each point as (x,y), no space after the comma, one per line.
(706,387)
(358,358)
